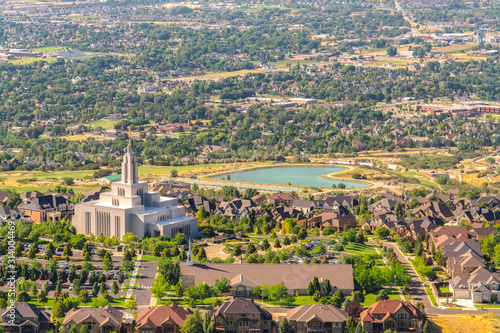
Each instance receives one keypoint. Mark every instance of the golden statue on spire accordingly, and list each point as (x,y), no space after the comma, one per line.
(129,136)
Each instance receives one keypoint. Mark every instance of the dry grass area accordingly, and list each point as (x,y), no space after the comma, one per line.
(454,48)
(467,323)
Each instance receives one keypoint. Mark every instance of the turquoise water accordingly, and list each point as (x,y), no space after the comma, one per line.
(299,176)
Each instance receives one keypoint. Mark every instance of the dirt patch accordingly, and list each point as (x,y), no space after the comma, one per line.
(215,251)
(467,323)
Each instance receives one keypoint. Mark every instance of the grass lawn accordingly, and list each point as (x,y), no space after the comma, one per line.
(31,60)
(49,304)
(120,301)
(431,296)
(419,274)
(104,123)
(359,249)
(370,296)
(149,258)
(444,289)
(488,306)
(299,300)
(50,49)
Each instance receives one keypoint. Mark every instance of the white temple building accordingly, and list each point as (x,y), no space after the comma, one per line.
(130,207)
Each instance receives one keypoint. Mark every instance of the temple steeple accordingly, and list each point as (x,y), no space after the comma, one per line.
(130,167)
(190,254)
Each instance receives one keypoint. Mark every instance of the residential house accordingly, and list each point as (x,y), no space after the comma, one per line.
(194,203)
(448,234)
(463,265)
(259,198)
(317,318)
(383,205)
(334,219)
(48,207)
(162,319)
(346,201)
(306,206)
(237,208)
(280,214)
(24,317)
(4,197)
(240,315)
(281,199)
(482,286)
(482,233)
(434,209)
(392,315)
(387,220)
(98,320)
(7,214)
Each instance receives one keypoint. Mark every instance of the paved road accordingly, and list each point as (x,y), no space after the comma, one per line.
(143,292)
(419,294)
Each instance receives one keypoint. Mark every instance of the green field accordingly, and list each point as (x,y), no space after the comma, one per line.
(359,249)
(370,296)
(444,290)
(49,304)
(104,123)
(31,60)
(50,49)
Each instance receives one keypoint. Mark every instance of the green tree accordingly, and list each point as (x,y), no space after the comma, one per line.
(201,214)
(131,304)
(114,288)
(286,327)
(392,51)
(222,286)
(84,329)
(193,323)
(159,287)
(350,326)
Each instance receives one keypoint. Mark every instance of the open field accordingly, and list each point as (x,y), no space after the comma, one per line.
(359,249)
(50,49)
(467,323)
(370,296)
(104,123)
(454,48)
(31,60)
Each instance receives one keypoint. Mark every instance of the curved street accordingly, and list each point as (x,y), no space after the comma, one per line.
(419,294)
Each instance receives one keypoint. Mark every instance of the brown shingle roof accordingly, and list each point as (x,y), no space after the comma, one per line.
(173,314)
(325,313)
(294,276)
(100,315)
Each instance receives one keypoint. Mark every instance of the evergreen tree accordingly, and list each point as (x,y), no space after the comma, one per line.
(286,327)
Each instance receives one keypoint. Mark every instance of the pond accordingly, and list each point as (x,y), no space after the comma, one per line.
(299,176)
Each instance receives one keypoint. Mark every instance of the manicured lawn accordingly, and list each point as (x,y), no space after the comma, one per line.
(31,60)
(50,49)
(488,306)
(149,258)
(431,296)
(300,300)
(49,304)
(370,296)
(119,301)
(104,123)
(444,289)
(359,249)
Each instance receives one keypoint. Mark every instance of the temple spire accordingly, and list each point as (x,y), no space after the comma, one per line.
(190,254)
(130,167)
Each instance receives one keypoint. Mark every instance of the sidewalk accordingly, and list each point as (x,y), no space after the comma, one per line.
(133,278)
